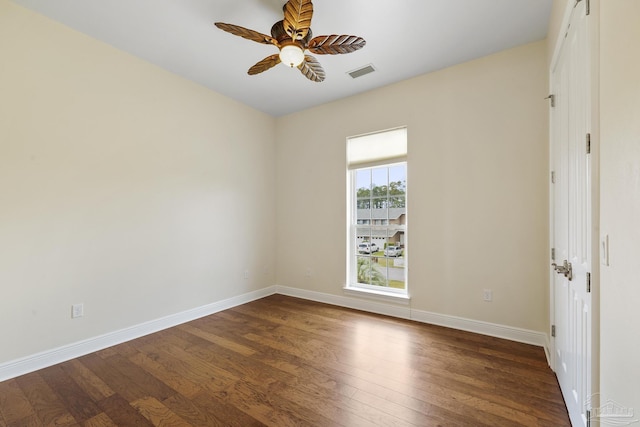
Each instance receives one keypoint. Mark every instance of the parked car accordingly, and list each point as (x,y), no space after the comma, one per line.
(393,251)
(367,248)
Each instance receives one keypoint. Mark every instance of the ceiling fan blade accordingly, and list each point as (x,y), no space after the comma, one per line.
(265,64)
(334,44)
(246,33)
(312,69)
(297,18)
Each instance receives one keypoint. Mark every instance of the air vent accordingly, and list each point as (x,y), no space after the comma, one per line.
(361,71)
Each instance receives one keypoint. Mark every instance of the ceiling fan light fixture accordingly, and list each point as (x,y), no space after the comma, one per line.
(291,55)
(293,37)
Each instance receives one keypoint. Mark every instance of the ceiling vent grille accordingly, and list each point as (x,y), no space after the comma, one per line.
(361,71)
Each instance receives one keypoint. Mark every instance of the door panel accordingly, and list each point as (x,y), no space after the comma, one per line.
(571,218)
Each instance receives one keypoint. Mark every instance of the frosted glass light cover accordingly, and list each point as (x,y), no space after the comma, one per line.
(291,56)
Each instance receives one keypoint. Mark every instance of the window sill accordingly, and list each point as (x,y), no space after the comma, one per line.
(378,295)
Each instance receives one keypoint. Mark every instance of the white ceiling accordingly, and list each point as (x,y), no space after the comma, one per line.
(405,38)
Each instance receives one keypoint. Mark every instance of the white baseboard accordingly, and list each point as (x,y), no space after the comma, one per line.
(479,327)
(48,358)
(526,336)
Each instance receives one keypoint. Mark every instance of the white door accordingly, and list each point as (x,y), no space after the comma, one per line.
(571,217)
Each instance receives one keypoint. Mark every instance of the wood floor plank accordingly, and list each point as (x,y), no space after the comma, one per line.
(271,409)
(342,410)
(87,380)
(157,413)
(227,414)
(283,361)
(14,405)
(47,406)
(174,380)
(171,354)
(75,400)
(30,421)
(252,370)
(124,349)
(122,413)
(229,344)
(100,420)
(207,411)
(150,385)
(307,372)
(112,377)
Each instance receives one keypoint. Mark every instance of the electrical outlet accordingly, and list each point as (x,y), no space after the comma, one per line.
(309,272)
(246,274)
(487,295)
(77,310)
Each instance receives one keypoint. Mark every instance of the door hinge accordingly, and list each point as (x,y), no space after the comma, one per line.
(553,99)
(588,282)
(588,418)
(587,6)
(553,177)
(553,331)
(553,254)
(588,138)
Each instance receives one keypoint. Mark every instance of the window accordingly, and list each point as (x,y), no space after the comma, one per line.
(377,178)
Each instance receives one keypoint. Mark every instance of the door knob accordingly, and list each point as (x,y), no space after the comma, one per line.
(564,269)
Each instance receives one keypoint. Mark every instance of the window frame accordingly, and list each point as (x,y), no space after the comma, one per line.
(384,148)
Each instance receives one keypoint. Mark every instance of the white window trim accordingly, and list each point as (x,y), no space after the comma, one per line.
(383,148)
(379,295)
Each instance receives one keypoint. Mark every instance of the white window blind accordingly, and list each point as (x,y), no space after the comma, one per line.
(377,148)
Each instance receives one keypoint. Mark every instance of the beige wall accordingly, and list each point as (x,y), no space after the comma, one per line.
(122,186)
(620,200)
(477,187)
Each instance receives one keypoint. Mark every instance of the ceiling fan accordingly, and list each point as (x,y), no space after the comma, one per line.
(292,36)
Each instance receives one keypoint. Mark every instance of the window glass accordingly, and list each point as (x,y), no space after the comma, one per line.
(379,227)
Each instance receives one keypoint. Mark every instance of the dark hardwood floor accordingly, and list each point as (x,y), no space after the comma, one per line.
(282,361)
